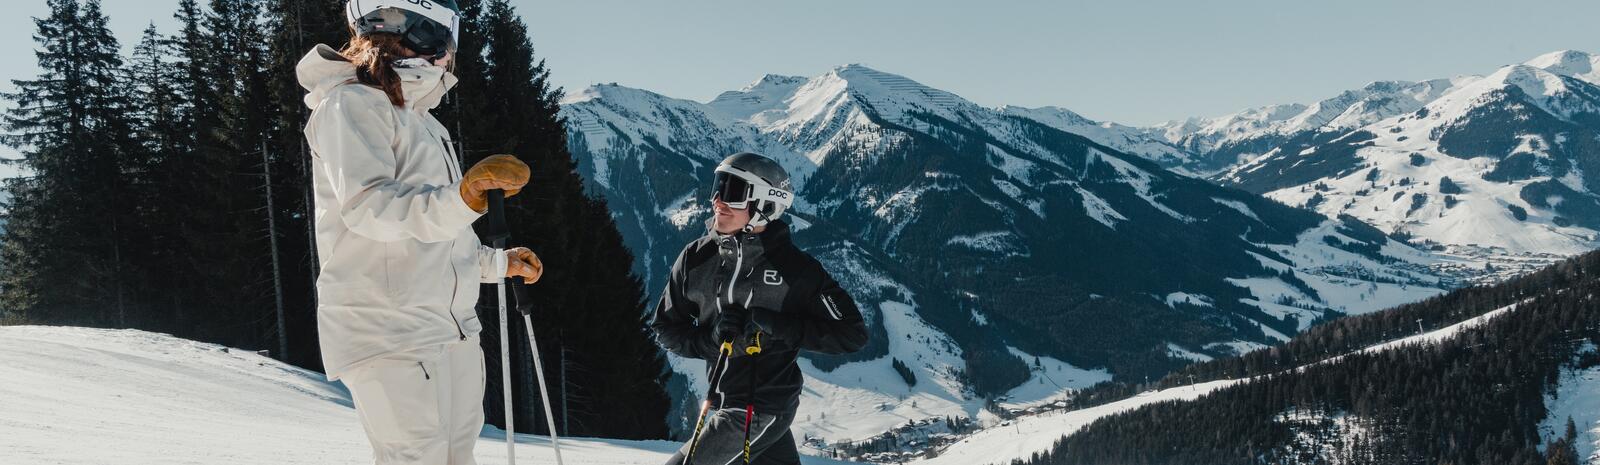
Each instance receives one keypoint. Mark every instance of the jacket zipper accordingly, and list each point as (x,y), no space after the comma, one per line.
(424,371)
(737,263)
(450,173)
(450,162)
(452,308)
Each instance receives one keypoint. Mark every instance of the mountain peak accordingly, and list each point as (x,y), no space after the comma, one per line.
(1574,63)
(774,81)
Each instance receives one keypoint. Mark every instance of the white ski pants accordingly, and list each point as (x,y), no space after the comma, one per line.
(422,407)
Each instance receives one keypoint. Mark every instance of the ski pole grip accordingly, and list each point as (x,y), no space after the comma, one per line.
(524,294)
(495,229)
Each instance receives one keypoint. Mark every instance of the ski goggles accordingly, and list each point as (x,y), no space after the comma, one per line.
(732,190)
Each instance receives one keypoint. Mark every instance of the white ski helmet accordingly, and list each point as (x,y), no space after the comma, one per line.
(429,27)
(748,180)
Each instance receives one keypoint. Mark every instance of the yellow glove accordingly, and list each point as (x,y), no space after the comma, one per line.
(523,262)
(495,172)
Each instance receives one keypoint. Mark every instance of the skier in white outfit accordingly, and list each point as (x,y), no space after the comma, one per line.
(400,265)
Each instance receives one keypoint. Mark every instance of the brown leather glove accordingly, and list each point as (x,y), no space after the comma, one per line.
(523,262)
(495,172)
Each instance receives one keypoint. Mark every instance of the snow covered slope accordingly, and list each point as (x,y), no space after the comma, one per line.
(92,396)
(1577,398)
(970,235)
(1500,168)
(1126,139)
(1021,438)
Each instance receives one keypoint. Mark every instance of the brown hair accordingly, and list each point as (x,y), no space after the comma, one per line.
(374,56)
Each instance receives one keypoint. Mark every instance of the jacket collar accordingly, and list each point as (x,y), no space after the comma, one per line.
(323,69)
(776,236)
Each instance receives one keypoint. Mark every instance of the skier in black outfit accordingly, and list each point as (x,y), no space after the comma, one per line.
(745,296)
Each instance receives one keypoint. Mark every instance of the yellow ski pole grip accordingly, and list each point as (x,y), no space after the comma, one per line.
(755,348)
(727,348)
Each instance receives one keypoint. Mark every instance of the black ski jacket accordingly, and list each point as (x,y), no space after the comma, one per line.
(791,299)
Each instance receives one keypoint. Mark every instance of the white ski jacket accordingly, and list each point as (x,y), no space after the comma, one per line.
(400,263)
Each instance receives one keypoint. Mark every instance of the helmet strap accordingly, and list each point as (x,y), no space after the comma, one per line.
(756,210)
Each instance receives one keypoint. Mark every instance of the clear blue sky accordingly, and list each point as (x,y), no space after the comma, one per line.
(1135,62)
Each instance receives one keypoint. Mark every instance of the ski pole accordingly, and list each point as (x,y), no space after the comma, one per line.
(526,307)
(712,380)
(497,232)
(750,405)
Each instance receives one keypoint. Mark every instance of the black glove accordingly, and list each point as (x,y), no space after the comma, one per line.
(731,326)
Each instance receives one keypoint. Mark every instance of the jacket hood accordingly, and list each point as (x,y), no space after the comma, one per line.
(323,69)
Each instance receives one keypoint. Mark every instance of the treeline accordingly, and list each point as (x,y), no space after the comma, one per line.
(1477,398)
(1339,336)
(168,190)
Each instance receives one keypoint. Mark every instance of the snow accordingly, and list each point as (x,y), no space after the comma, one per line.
(1348,110)
(1198,300)
(1035,205)
(1479,218)
(1439,336)
(1004,243)
(1031,434)
(1238,206)
(1173,350)
(862,399)
(1141,181)
(684,210)
(1573,63)
(95,396)
(1323,435)
(1098,209)
(1131,140)
(1577,397)
(1238,347)
(1344,281)
(1050,380)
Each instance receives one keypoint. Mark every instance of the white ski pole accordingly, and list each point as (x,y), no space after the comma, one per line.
(497,233)
(538,370)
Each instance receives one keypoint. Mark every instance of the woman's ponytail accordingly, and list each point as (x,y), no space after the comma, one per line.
(374,56)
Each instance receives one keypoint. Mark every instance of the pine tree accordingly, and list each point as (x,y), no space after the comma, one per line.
(62,257)
(592,332)
(155,136)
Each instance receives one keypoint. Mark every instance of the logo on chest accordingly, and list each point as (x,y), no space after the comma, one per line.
(771,278)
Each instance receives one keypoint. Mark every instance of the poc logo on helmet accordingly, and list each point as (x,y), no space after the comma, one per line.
(774,193)
(422,3)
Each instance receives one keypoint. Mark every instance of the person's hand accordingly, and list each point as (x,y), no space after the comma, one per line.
(731,326)
(523,262)
(495,172)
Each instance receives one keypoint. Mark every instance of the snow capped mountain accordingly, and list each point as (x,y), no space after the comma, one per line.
(1126,139)
(1502,164)
(988,248)
(1221,142)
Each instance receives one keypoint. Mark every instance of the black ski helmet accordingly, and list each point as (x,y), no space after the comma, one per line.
(749,180)
(428,27)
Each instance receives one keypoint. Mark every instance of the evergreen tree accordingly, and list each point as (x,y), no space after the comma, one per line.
(224,265)
(599,352)
(62,258)
(154,137)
